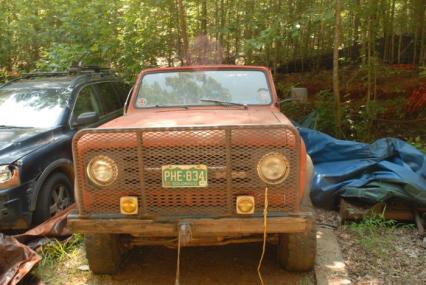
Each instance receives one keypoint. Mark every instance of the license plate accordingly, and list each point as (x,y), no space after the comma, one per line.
(179,176)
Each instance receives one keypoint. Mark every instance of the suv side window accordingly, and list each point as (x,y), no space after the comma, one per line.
(108,98)
(86,102)
(122,91)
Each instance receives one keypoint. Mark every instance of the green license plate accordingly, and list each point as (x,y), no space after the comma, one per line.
(178,176)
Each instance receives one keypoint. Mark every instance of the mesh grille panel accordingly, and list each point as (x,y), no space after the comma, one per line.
(231,154)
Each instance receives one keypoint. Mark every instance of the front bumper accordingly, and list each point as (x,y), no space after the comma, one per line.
(14,210)
(291,223)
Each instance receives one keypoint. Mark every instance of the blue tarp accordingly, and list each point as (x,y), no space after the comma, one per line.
(387,168)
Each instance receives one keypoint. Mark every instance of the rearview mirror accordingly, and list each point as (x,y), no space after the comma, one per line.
(86,119)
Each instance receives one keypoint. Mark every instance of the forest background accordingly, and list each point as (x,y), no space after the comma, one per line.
(379,45)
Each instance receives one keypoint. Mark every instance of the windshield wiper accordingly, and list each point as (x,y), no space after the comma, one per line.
(170,106)
(223,102)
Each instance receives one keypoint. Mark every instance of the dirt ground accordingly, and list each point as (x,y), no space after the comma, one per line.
(232,264)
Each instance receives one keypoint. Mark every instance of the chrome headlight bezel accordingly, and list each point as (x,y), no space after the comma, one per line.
(108,164)
(9,176)
(280,168)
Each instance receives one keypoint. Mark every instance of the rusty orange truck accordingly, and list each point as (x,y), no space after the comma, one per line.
(202,156)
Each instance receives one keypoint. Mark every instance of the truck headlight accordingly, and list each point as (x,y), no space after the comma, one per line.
(102,170)
(273,168)
(9,176)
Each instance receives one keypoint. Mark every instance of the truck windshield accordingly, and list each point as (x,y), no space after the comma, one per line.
(32,107)
(202,88)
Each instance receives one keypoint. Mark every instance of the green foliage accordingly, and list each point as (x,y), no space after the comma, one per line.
(418,143)
(60,56)
(366,115)
(132,34)
(422,73)
(326,112)
(3,76)
(296,111)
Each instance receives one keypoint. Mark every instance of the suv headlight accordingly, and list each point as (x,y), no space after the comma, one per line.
(9,176)
(102,170)
(273,168)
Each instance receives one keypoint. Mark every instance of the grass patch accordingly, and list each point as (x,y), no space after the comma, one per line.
(375,233)
(61,260)
(56,251)
(306,281)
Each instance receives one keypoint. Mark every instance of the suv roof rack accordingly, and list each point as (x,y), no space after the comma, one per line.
(73,70)
(40,74)
(76,69)
(32,75)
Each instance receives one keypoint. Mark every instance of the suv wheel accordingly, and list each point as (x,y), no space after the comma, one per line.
(55,196)
(103,252)
(296,252)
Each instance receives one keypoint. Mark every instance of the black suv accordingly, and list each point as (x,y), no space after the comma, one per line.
(39,114)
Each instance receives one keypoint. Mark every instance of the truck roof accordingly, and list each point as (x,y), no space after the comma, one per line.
(206,67)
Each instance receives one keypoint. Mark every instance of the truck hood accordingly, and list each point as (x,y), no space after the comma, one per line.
(200,117)
(16,142)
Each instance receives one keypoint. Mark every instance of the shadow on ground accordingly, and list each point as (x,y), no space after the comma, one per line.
(232,264)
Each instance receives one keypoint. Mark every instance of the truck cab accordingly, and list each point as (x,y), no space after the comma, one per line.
(202,156)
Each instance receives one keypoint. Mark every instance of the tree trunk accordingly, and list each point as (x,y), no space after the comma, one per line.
(386,29)
(222,23)
(336,87)
(248,32)
(392,34)
(183,32)
(237,38)
(204,17)
(419,10)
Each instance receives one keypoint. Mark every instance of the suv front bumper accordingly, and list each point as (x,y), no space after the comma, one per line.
(14,212)
(292,223)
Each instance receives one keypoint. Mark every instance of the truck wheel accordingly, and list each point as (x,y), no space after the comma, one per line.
(296,252)
(56,194)
(103,252)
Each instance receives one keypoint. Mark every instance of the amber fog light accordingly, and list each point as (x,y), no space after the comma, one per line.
(129,205)
(273,168)
(245,204)
(102,170)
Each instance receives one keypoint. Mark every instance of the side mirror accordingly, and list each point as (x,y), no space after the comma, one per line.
(86,119)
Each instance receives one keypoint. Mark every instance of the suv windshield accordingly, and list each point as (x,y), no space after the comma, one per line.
(32,106)
(196,88)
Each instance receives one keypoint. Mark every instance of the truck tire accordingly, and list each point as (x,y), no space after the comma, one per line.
(56,194)
(103,252)
(297,251)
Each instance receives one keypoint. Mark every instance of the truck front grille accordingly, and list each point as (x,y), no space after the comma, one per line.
(231,154)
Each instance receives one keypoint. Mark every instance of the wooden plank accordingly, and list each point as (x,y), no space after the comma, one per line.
(236,226)
(392,211)
(122,226)
(200,227)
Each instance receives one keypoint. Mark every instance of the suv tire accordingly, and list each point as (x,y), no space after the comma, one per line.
(103,252)
(296,251)
(55,196)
